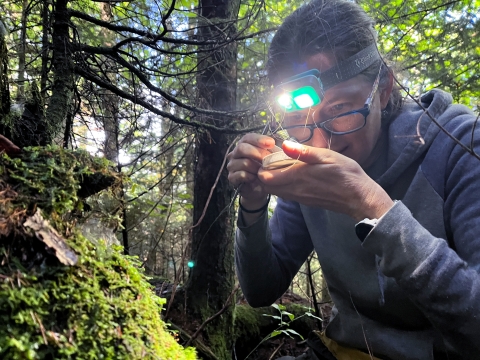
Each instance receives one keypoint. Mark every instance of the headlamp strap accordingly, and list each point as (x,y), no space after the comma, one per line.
(351,67)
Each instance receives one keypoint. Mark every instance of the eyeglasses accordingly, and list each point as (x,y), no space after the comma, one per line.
(342,124)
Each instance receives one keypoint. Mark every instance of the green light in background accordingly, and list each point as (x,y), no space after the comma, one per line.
(191,264)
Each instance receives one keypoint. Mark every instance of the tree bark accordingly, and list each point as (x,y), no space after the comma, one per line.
(4,89)
(109,101)
(211,280)
(45,48)
(62,89)
(22,53)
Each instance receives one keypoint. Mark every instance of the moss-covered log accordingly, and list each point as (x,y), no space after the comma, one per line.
(98,307)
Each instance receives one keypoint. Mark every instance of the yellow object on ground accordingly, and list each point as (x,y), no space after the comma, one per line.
(342,352)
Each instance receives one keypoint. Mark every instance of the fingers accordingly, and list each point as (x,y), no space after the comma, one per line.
(261,141)
(245,159)
(309,154)
(252,146)
(238,174)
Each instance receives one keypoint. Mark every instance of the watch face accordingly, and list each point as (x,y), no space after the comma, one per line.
(362,229)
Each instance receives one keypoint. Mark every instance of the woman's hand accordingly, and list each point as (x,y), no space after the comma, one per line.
(243,165)
(324,178)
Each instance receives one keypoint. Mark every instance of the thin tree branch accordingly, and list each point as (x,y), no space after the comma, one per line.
(165,18)
(149,35)
(133,98)
(445,131)
(157,37)
(141,76)
(418,12)
(473,131)
(214,186)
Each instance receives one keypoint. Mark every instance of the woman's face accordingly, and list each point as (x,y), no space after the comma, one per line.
(346,96)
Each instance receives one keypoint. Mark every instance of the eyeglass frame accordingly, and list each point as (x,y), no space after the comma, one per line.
(365,111)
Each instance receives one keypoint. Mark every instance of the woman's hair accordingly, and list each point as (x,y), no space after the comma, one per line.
(337,27)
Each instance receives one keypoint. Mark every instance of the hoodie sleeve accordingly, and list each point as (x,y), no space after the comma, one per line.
(267,260)
(443,280)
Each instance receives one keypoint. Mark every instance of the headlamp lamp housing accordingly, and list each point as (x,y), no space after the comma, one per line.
(307,89)
(300,92)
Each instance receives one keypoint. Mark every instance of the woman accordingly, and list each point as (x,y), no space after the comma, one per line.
(389,202)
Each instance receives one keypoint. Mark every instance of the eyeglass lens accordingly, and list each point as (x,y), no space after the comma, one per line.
(342,124)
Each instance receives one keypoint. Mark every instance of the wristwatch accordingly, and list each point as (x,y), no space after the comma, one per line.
(363,228)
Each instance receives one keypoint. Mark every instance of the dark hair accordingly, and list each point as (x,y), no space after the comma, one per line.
(337,27)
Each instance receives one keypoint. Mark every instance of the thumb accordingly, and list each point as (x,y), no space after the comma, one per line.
(307,154)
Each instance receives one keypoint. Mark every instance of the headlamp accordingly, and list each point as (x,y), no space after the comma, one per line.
(305,90)
(300,92)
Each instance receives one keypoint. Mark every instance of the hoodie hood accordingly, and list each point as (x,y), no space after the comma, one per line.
(413,131)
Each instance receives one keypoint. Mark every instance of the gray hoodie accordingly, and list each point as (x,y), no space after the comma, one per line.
(411,290)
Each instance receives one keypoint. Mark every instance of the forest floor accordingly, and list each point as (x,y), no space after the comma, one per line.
(284,345)
(271,349)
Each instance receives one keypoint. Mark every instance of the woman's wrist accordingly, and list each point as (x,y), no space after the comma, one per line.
(375,204)
(250,208)
(251,218)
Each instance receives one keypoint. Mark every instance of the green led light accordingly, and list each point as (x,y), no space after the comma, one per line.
(305,97)
(303,101)
(298,99)
(191,264)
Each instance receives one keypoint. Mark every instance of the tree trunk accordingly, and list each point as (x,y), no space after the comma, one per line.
(211,280)
(62,89)
(45,49)
(109,101)
(4,89)
(22,53)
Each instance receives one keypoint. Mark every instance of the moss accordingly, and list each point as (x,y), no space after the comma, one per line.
(102,307)
(219,335)
(248,321)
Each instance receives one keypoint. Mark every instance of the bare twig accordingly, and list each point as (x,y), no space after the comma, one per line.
(471,151)
(314,293)
(40,325)
(473,131)
(276,350)
(361,324)
(214,185)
